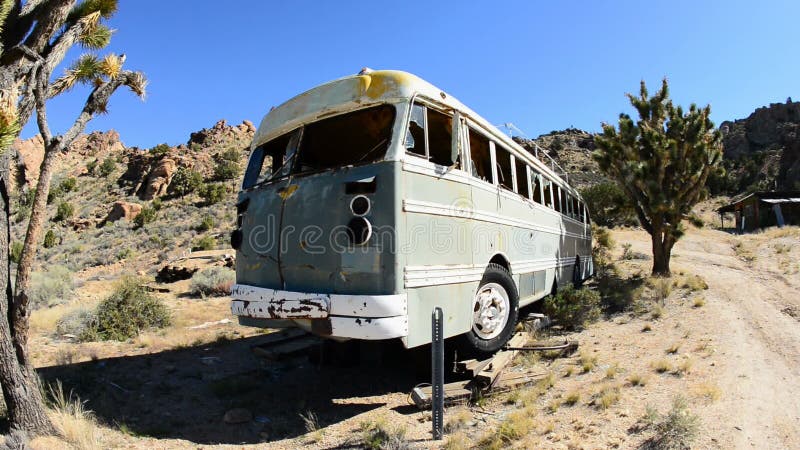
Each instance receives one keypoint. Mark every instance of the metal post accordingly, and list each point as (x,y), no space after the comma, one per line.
(437,363)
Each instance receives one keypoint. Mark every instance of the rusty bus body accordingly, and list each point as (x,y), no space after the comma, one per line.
(372,199)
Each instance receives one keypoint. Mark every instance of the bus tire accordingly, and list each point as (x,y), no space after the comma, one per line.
(495,309)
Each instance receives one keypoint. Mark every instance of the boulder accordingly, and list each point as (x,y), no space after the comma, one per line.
(123,210)
(30,153)
(159,178)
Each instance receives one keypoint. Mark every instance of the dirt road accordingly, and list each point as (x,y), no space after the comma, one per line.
(755,293)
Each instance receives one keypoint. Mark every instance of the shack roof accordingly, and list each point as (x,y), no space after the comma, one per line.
(771,197)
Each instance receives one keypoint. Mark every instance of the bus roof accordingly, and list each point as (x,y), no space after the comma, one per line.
(373,87)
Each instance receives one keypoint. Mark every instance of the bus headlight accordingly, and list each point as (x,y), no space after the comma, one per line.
(359,230)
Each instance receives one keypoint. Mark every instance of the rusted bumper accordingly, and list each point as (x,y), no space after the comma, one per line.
(345,316)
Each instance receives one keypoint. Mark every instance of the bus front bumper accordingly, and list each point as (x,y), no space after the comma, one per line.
(369,317)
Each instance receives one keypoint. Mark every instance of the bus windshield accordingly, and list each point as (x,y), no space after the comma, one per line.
(358,137)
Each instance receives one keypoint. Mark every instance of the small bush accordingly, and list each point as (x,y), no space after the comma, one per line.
(75,323)
(16,252)
(185,181)
(159,150)
(157,204)
(147,215)
(64,211)
(108,167)
(91,167)
(51,287)
(68,184)
(206,224)
(676,430)
(228,165)
(695,220)
(50,239)
(213,193)
(573,308)
(204,243)
(380,435)
(127,311)
(212,281)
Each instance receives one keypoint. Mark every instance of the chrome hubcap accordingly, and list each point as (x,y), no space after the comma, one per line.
(490,311)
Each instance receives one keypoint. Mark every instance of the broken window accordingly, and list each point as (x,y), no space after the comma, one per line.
(354,138)
(536,182)
(440,138)
(548,193)
(522,178)
(504,167)
(269,160)
(415,138)
(480,156)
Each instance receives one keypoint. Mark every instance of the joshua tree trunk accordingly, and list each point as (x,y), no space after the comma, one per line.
(18,379)
(662,251)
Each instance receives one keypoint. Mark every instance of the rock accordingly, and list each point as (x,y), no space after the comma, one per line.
(159,178)
(30,153)
(123,210)
(81,224)
(183,268)
(250,128)
(237,415)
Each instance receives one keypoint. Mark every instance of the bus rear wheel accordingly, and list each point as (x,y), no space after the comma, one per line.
(495,308)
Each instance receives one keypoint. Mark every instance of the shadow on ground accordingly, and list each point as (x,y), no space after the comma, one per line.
(185,393)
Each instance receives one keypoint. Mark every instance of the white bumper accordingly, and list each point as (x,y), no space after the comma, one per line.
(371,317)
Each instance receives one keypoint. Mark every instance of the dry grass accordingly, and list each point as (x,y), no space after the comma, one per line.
(314,432)
(684,367)
(588,361)
(607,396)
(572,398)
(657,311)
(457,441)
(569,371)
(72,420)
(661,365)
(380,434)
(612,371)
(457,420)
(647,327)
(672,349)
(708,390)
(698,302)
(694,283)
(637,379)
(514,427)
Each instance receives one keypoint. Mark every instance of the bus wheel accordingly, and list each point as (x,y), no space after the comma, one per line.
(577,280)
(495,309)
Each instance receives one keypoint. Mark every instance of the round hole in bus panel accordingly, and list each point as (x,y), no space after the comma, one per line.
(359,230)
(360,205)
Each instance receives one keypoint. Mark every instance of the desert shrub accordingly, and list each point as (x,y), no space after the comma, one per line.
(16,252)
(68,184)
(159,150)
(213,193)
(573,308)
(127,311)
(185,181)
(380,434)
(108,167)
(64,211)
(51,287)
(206,224)
(157,204)
(147,215)
(228,165)
(205,243)
(50,239)
(675,430)
(696,220)
(608,205)
(91,166)
(75,322)
(212,281)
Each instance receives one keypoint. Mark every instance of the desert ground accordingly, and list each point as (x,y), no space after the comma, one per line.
(723,335)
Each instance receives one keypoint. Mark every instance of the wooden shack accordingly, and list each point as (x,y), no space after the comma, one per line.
(763,209)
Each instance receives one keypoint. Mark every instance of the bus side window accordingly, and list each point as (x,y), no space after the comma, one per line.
(557,198)
(415,138)
(440,138)
(548,193)
(575,208)
(522,178)
(536,180)
(504,167)
(479,154)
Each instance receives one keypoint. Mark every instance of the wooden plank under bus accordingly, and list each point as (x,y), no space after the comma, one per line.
(489,374)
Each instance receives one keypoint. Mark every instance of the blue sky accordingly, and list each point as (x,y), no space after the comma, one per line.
(541,65)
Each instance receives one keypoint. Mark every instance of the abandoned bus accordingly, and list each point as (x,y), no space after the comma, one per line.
(372,199)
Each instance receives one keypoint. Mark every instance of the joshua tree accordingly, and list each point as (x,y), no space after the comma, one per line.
(661,161)
(35,37)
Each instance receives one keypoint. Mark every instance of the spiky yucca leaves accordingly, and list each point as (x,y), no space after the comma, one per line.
(662,161)
(89,69)
(106,9)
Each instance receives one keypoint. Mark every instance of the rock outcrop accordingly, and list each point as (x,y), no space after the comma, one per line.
(159,178)
(763,150)
(123,210)
(29,155)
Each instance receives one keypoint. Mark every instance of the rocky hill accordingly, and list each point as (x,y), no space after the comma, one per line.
(762,151)
(184,195)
